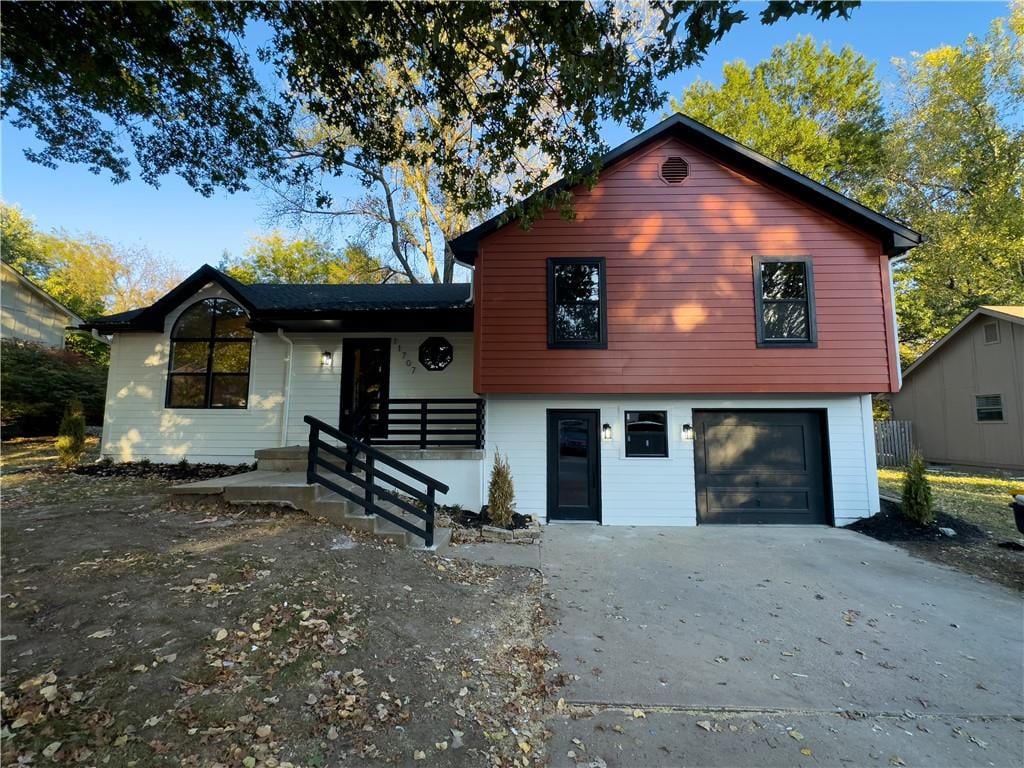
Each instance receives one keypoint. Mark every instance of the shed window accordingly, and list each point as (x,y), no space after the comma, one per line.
(210,351)
(784,298)
(989,407)
(646,433)
(991,333)
(576,303)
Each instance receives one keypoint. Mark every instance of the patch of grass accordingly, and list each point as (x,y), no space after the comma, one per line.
(982,499)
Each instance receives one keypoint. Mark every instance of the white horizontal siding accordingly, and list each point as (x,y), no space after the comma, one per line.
(662,491)
(137,426)
(316,390)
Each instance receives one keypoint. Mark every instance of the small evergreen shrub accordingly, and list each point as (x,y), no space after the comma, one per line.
(501,498)
(917,493)
(71,434)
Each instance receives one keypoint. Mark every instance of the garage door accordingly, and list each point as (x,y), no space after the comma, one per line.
(760,467)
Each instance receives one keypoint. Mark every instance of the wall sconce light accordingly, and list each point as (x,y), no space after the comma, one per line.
(606,432)
(687,432)
(326,360)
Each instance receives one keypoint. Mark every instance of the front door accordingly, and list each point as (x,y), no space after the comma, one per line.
(365,372)
(574,478)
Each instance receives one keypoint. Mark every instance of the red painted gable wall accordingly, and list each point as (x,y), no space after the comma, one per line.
(680,290)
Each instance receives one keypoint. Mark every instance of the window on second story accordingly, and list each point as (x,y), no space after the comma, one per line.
(988,407)
(210,350)
(576,303)
(784,301)
(991,331)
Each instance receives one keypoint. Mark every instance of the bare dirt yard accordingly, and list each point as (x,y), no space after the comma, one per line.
(974,505)
(140,631)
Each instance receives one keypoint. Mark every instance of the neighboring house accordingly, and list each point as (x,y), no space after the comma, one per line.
(31,314)
(965,395)
(699,345)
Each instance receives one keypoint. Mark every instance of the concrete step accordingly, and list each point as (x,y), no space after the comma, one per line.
(291,458)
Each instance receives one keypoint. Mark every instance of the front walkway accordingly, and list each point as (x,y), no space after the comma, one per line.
(729,638)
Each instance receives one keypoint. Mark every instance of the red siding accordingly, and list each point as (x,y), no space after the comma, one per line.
(680,290)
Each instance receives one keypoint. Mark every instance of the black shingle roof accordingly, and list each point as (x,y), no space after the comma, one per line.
(264,300)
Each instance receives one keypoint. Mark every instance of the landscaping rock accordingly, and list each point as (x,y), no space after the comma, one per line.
(947,532)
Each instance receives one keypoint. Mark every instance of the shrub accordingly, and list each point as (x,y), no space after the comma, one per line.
(917,493)
(38,381)
(501,497)
(71,436)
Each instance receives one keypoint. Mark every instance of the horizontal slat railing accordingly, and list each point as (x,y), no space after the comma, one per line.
(431,422)
(326,461)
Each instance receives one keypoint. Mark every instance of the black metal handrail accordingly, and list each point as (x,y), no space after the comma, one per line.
(357,455)
(439,422)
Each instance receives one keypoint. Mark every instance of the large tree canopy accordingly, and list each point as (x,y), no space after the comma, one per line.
(181,87)
(956,172)
(818,111)
(276,258)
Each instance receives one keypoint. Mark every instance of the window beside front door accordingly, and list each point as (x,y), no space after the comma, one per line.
(784,300)
(646,433)
(577,306)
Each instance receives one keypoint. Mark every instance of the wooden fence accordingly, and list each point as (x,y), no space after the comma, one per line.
(894,441)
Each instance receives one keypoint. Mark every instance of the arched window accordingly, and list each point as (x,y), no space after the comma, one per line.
(210,350)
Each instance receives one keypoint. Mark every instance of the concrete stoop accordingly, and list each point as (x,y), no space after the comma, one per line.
(288,488)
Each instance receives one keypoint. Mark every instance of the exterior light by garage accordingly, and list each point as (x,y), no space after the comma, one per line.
(326,359)
(686,433)
(606,432)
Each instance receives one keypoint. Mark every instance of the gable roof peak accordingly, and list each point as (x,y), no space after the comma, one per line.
(896,237)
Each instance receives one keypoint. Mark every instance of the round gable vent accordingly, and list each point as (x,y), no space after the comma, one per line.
(674,170)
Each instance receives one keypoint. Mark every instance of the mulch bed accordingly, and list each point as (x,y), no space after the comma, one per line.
(149,470)
(891,525)
(466,518)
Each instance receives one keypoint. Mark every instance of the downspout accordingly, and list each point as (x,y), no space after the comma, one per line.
(895,320)
(483,468)
(287,387)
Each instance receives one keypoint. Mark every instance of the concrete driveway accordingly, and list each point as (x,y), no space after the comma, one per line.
(783,646)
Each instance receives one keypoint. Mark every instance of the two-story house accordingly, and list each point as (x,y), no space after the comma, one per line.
(698,345)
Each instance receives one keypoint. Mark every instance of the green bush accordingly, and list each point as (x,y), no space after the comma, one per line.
(71,435)
(917,493)
(501,497)
(38,381)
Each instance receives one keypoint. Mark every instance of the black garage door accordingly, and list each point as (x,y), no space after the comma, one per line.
(760,467)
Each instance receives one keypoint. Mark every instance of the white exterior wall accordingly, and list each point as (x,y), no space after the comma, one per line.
(316,390)
(662,491)
(136,425)
(26,314)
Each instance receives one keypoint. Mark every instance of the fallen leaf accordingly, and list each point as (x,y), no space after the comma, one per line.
(220,635)
(796,735)
(100,634)
(419,754)
(705,724)
(263,731)
(638,713)
(806,752)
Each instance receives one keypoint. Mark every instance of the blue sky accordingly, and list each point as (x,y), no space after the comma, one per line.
(190,229)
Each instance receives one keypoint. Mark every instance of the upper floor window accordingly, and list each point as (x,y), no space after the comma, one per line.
(784,298)
(210,351)
(576,303)
(991,332)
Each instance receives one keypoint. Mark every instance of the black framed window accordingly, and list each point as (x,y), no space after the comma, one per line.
(784,299)
(210,352)
(646,433)
(988,407)
(577,305)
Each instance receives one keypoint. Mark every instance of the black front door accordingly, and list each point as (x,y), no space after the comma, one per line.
(758,467)
(365,371)
(574,477)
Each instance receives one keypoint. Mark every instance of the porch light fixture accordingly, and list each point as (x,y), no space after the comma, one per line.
(686,433)
(326,359)
(606,432)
